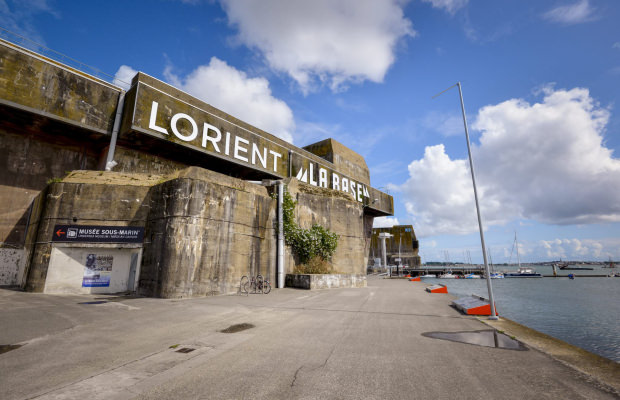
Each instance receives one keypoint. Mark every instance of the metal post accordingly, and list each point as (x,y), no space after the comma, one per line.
(281,268)
(382,237)
(384,256)
(473,179)
(110,163)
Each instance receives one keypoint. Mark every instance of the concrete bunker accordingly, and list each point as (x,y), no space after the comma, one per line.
(182,174)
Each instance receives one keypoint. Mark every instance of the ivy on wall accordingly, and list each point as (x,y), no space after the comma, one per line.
(314,246)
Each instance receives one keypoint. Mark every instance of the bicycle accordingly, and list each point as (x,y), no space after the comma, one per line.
(254,285)
(250,285)
(265,287)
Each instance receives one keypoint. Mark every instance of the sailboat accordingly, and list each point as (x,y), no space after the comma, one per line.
(447,274)
(494,274)
(470,275)
(522,272)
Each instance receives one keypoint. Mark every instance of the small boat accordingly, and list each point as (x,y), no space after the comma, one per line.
(522,272)
(447,275)
(428,276)
(497,275)
(471,276)
(564,266)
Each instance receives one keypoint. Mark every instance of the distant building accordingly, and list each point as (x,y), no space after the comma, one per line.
(403,244)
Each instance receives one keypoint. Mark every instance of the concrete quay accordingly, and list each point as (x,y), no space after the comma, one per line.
(358,343)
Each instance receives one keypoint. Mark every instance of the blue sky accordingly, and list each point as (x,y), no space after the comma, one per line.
(541,80)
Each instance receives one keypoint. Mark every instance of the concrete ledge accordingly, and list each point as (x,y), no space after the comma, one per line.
(605,371)
(325,281)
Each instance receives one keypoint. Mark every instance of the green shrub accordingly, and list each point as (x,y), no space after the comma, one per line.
(314,246)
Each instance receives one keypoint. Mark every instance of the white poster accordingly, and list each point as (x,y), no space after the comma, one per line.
(98,270)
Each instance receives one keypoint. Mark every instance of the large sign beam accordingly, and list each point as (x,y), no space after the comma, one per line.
(160,111)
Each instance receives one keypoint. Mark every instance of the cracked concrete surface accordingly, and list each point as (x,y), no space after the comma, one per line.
(362,343)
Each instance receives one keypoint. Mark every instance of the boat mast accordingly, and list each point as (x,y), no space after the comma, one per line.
(473,181)
(517,246)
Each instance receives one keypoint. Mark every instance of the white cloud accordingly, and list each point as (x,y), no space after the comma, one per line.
(233,92)
(548,159)
(385,222)
(576,249)
(322,41)
(439,195)
(451,6)
(583,249)
(123,76)
(544,161)
(576,13)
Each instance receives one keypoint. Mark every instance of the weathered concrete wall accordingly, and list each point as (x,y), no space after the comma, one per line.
(27,166)
(87,198)
(12,264)
(403,244)
(340,214)
(24,171)
(344,159)
(205,231)
(135,161)
(42,86)
(53,119)
(325,281)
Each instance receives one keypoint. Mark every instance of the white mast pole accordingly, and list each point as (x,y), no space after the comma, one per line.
(473,180)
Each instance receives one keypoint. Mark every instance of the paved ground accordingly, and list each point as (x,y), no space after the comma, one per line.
(332,344)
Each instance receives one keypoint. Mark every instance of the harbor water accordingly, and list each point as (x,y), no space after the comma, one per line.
(584,312)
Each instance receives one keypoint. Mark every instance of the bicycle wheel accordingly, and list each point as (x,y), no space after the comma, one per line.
(266,287)
(243,284)
(246,287)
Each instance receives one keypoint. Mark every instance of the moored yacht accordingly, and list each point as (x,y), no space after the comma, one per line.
(522,272)
(447,275)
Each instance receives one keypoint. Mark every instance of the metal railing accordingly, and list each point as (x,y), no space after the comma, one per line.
(58,57)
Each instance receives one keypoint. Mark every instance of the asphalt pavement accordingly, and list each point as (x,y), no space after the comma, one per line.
(364,343)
